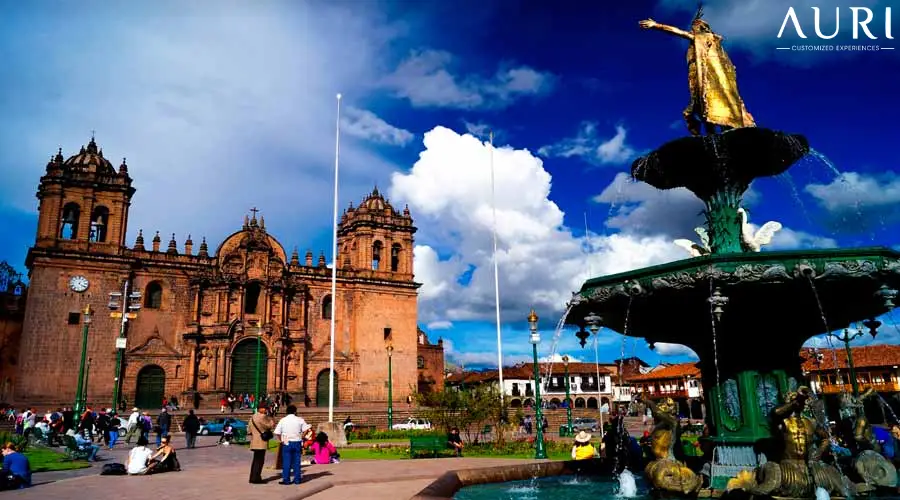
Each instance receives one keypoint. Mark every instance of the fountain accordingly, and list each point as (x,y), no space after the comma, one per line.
(746,313)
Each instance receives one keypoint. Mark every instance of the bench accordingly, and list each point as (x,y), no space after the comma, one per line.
(432,444)
(75,452)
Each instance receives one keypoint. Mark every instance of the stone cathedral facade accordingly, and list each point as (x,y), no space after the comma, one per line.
(207,314)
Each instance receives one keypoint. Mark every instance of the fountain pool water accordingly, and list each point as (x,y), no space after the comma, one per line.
(556,487)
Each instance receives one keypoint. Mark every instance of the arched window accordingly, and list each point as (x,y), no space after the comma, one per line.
(153,296)
(376,255)
(326,307)
(69,227)
(99,224)
(395,257)
(251,298)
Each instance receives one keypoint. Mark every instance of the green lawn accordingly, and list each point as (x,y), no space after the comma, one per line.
(44,460)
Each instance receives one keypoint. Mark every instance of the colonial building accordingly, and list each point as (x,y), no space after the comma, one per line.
(200,322)
(876,367)
(12,309)
(430,363)
(681,382)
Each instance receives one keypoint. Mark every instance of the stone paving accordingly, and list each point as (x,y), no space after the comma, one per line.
(222,472)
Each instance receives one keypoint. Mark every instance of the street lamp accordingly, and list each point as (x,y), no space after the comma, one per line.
(87,377)
(539,452)
(255,404)
(79,391)
(390,381)
(129,306)
(846,338)
(593,323)
(565,360)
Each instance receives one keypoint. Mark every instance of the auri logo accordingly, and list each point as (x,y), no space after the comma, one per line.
(862,20)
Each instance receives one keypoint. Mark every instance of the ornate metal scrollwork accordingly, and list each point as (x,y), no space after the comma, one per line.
(849,268)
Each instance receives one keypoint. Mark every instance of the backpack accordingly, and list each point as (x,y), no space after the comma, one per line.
(113,469)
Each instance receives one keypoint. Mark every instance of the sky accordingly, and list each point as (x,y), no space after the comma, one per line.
(222,106)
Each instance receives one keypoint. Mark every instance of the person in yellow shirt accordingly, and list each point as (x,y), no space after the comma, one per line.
(583,448)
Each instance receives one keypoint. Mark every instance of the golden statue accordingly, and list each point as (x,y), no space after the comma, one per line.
(715,100)
(801,469)
(666,473)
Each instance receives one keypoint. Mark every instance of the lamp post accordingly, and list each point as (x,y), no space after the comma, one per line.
(390,381)
(79,391)
(87,377)
(255,404)
(593,323)
(565,360)
(131,302)
(539,452)
(846,338)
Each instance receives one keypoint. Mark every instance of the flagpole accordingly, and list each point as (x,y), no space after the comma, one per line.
(496,272)
(334,245)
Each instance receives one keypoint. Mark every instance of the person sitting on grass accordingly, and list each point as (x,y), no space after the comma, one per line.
(16,470)
(139,457)
(455,442)
(583,448)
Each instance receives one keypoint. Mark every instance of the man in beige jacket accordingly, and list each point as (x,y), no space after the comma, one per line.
(259,424)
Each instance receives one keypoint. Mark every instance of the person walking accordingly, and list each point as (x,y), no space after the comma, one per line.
(191,426)
(163,421)
(289,431)
(260,430)
(134,426)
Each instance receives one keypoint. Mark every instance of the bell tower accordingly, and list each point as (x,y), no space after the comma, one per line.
(84,202)
(377,238)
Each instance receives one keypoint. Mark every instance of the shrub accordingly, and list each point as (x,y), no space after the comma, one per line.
(21,442)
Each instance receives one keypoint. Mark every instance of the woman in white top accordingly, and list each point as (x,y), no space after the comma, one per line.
(138,458)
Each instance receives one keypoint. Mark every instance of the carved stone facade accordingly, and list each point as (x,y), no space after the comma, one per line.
(206,319)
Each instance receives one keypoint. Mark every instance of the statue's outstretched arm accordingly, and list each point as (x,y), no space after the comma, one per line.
(650,24)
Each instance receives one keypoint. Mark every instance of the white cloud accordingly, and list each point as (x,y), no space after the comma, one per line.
(541,261)
(367,125)
(208,105)
(667,349)
(439,325)
(426,79)
(477,129)
(588,145)
(855,191)
(557,358)
(640,208)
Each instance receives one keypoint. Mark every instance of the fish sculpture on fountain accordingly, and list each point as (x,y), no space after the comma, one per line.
(721,302)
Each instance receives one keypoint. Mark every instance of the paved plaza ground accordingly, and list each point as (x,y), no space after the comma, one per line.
(211,471)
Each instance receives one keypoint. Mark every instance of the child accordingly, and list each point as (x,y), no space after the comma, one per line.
(583,448)
(227,435)
(323,451)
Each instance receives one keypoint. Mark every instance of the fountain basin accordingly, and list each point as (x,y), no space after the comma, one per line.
(774,298)
(705,164)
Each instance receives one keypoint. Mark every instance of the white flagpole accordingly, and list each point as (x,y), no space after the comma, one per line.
(334,257)
(496,273)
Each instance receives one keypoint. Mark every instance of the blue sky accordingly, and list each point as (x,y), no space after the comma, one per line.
(220,106)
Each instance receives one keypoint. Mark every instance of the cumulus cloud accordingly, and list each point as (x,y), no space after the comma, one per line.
(588,145)
(426,79)
(858,202)
(439,325)
(367,125)
(640,208)
(666,349)
(541,261)
(209,106)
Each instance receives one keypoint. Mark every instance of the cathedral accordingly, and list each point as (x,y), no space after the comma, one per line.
(165,320)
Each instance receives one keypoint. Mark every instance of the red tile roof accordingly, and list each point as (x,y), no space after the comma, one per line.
(680,370)
(870,356)
(523,371)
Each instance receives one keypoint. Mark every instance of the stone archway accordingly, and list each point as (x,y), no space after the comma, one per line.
(243,367)
(151,387)
(322,381)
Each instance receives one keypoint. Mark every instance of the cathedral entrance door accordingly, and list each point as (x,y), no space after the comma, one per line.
(322,389)
(243,367)
(151,387)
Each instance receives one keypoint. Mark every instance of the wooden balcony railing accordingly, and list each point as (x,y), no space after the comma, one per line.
(838,388)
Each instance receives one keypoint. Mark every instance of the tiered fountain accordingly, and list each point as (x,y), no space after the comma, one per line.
(745,313)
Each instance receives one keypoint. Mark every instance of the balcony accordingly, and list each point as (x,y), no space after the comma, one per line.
(846,387)
(516,392)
